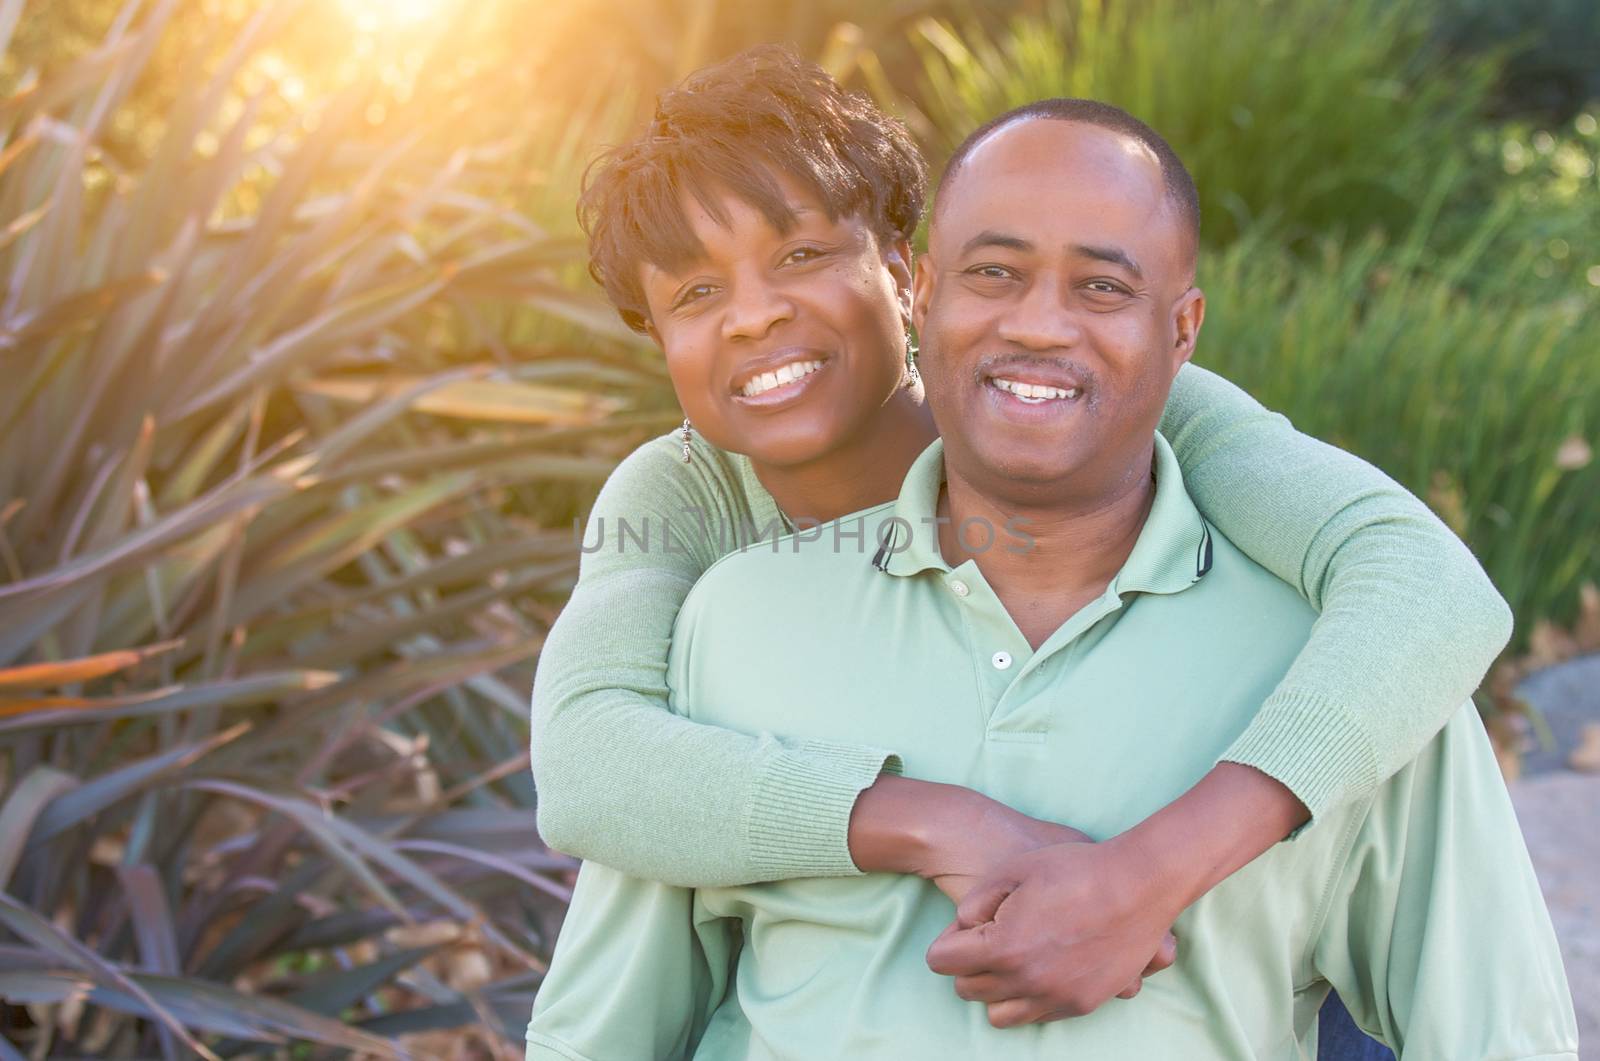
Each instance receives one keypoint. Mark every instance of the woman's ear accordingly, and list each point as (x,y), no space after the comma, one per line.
(897,257)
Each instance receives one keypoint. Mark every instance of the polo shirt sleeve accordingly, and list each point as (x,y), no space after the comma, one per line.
(633,975)
(1393,585)
(1435,933)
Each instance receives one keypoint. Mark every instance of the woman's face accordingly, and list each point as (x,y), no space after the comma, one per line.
(782,346)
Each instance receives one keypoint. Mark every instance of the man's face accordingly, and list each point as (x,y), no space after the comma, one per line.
(1055,306)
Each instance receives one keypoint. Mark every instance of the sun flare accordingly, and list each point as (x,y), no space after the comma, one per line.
(374,16)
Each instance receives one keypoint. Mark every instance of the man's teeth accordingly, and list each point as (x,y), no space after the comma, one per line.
(1034,392)
(779,376)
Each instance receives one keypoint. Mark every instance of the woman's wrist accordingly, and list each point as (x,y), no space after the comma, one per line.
(904,825)
(1228,819)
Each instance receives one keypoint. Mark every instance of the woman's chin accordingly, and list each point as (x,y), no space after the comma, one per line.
(792,450)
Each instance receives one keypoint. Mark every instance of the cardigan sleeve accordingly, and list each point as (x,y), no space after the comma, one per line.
(1409,622)
(622,780)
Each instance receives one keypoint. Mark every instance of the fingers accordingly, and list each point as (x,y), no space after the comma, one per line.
(983,901)
(962,951)
(1164,956)
(984,987)
(1132,989)
(1012,1012)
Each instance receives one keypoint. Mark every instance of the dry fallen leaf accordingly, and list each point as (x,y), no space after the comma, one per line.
(1506,738)
(1586,756)
(1573,454)
(1549,644)
(425,934)
(1586,632)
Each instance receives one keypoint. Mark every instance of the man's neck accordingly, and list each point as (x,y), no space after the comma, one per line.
(866,470)
(1078,545)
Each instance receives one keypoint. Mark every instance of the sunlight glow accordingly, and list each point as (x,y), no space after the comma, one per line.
(375,16)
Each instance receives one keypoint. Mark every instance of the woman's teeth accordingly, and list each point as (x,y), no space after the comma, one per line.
(778,377)
(1034,392)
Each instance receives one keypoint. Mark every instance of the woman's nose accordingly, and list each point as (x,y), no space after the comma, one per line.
(754,309)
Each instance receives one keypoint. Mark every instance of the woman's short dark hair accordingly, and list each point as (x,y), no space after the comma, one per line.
(728,129)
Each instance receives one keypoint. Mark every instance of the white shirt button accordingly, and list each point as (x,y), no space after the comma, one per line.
(959,588)
(1001,660)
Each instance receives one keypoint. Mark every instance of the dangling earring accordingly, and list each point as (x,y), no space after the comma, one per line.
(686,437)
(913,377)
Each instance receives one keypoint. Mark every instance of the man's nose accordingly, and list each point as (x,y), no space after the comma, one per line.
(754,308)
(1040,320)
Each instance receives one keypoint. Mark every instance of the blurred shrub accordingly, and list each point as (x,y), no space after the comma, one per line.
(1552,49)
(1307,116)
(1487,406)
(1552,182)
(294,415)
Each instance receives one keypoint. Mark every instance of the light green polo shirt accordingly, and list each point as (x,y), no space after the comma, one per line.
(1419,904)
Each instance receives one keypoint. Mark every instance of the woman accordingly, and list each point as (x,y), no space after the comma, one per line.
(765,207)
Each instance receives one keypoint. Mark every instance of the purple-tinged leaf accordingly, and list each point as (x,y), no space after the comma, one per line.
(28,924)
(42,785)
(38,988)
(152,919)
(91,797)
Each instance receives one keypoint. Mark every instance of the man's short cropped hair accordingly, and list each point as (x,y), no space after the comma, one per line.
(728,129)
(1174,174)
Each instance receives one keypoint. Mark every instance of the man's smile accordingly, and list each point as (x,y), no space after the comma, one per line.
(1035,391)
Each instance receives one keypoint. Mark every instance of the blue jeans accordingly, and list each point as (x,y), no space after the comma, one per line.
(1338,1038)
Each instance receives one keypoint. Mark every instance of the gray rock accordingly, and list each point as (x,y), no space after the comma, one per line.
(1560,817)
(1567,697)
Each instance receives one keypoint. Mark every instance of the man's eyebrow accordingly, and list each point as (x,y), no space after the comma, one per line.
(1108,254)
(991,238)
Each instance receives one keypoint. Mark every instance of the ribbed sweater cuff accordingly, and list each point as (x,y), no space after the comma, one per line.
(799,824)
(1312,746)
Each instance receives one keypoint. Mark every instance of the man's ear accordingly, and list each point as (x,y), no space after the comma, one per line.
(1188,315)
(921,291)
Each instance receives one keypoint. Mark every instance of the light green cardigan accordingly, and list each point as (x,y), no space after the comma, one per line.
(1409,623)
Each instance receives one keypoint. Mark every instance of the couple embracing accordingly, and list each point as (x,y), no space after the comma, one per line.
(1142,728)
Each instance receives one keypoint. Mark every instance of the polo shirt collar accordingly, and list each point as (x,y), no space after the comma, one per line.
(909,539)
(1172,553)
(1174,548)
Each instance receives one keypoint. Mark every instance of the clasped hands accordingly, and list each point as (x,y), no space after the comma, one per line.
(1049,924)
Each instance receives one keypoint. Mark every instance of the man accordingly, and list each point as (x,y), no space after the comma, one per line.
(1103,665)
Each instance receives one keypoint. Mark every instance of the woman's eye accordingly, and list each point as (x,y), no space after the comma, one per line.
(803,254)
(693,294)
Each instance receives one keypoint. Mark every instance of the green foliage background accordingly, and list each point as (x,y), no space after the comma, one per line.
(302,385)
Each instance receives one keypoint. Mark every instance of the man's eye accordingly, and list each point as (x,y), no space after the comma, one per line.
(991,272)
(693,294)
(1106,287)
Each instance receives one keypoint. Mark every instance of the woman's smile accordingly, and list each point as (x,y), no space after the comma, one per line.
(785,342)
(778,381)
